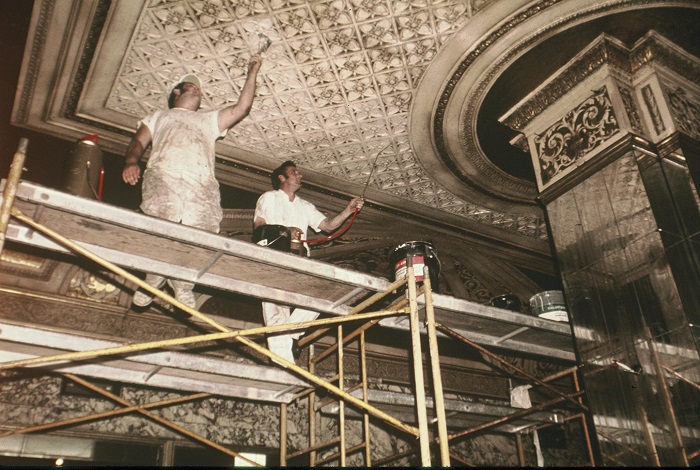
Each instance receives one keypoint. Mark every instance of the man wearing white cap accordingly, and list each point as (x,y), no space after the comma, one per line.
(179,182)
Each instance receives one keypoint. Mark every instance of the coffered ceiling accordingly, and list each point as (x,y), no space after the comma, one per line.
(395,100)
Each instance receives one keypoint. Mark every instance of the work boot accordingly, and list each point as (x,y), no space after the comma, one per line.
(143,298)
(183,292)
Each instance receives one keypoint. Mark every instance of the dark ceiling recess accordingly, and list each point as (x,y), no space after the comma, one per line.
(679,25)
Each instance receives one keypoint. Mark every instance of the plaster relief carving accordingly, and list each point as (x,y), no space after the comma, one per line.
(631,109)
(685,111)
(653,109)
(477,291)
(88,286)
(577,134)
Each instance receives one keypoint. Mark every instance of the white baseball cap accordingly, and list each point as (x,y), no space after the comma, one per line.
(191,78)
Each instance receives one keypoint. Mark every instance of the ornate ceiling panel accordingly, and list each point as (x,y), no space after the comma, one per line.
(375,97)
(335,89)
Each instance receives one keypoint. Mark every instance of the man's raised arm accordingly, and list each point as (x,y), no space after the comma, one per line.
(232,115)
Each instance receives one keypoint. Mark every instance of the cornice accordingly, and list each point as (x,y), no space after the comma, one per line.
(30,72)
(90,46)
(656,49)
(605,51)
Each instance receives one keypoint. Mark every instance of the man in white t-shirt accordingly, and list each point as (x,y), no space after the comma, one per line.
(283,207)
(179,182)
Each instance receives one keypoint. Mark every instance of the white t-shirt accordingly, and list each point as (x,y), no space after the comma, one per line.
(184,142)
(276,208)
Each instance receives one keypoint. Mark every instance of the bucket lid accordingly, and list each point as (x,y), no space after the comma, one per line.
(548,293)
(412,244)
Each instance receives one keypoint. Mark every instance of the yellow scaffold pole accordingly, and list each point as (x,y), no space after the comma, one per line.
(8,196)
(168,343)
(438,397)
(332,388)
(421,412)
(224,331)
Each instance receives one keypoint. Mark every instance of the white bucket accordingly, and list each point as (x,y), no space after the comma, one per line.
(549,305)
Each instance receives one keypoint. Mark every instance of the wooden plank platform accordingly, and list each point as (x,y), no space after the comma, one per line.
(165,369)
(139,242)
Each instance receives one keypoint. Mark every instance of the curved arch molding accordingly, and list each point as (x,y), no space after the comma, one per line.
(444,113)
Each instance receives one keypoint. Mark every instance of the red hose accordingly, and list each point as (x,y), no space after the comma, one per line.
(333,235)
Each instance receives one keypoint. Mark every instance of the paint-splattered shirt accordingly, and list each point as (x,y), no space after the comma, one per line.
(179,182)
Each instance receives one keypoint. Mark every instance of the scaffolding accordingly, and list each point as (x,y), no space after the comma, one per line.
(56,221)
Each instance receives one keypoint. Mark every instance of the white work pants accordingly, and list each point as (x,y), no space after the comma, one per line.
(274,314)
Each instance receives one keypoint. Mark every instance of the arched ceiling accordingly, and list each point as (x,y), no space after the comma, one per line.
(396,100)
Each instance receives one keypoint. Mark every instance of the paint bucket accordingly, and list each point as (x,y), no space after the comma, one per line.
(82,172)
(276,237)
(420,254)
(550,305)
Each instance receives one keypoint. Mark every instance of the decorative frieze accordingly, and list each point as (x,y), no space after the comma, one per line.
(685,109)
(605,51)
(476,289)
(580,132)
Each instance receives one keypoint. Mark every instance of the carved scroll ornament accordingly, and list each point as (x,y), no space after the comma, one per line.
(581,131)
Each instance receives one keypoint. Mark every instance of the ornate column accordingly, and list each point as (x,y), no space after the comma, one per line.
(614,138)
